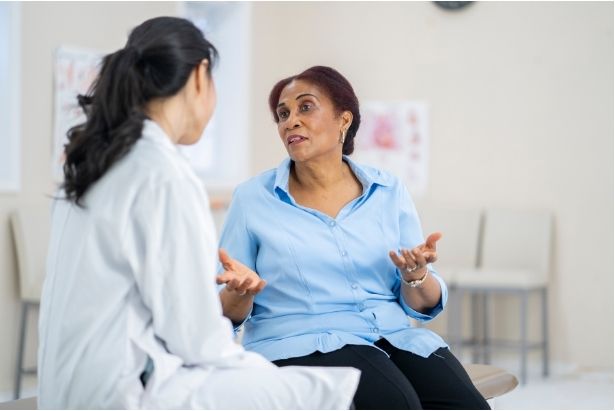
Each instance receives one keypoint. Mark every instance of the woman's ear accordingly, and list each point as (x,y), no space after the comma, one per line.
(347,119)
(202,75)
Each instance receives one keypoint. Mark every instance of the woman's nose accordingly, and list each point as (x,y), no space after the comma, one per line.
(292,122)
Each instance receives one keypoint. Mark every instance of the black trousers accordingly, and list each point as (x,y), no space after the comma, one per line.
(403,381)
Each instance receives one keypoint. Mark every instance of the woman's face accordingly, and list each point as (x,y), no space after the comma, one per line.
(308,123)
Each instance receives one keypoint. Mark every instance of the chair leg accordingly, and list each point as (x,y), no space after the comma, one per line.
(523,313)
(486,320)
(476,337)
(454,326)
(20,349)
(545,334)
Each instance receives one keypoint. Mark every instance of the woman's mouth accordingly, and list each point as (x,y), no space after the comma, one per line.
(295,139)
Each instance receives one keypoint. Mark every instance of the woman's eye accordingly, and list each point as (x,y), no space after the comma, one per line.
(306,107)
(283,114)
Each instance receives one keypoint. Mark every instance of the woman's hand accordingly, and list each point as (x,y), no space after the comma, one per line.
(238,278)
(411,263)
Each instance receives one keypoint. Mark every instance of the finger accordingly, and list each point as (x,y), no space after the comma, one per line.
(245,285)
(225,277)
(225,259)
(411,262)
(232,284)
(418,257)
(430,256)
(431,240)
(397,260)
(258,288)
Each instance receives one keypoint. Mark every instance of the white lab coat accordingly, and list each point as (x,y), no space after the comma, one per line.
(131,276)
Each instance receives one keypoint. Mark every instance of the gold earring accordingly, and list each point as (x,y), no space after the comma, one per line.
(342,136)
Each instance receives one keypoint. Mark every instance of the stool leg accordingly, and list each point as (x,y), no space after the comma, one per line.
(20,349)
(523,337)
(545,334)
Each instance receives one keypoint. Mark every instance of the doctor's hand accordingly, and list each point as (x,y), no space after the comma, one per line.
(411,262)
(238,278)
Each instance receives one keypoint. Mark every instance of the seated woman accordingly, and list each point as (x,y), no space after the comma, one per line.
(130,314)
(320,283)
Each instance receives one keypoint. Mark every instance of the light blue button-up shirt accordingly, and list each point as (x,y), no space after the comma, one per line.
(330,281)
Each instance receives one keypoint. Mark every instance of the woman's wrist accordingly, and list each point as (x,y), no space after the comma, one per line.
(416,277)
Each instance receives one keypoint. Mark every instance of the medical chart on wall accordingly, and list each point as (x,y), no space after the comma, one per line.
(394,136)
(74,72)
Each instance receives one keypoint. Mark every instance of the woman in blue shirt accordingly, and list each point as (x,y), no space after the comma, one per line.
(315,279)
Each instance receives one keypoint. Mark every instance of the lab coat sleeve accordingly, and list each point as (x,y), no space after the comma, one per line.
(411,235)
(175,258)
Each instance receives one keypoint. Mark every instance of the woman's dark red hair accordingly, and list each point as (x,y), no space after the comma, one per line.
(335,86)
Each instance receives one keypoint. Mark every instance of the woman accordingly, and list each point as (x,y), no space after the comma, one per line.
(130,315)
(320,230)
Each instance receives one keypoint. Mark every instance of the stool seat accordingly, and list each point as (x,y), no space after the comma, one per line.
(491,381)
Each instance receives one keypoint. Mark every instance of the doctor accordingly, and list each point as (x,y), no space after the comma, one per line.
(130,315)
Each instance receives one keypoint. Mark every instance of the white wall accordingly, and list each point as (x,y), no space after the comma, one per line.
(45,26)
(521,98)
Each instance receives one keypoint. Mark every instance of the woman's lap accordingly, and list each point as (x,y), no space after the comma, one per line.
(440,379)
(382,385)
(403,381)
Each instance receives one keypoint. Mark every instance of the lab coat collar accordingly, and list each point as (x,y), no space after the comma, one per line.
(154,133)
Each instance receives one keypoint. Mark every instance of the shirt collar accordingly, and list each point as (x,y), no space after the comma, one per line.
(366,175)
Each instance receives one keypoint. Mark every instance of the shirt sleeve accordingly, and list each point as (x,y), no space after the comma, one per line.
(411,235)
(175,254)
(237,240)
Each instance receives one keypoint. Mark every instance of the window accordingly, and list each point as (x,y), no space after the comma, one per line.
(9,97)
(221,158)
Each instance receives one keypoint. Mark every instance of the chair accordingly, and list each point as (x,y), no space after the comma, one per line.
(30,227)
(457,251)
(515,257)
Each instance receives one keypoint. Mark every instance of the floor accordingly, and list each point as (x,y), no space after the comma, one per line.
(579,391)
(566,388)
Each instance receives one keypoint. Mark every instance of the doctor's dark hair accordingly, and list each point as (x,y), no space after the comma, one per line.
(156,62)
(332,83)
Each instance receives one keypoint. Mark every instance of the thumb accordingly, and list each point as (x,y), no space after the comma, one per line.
(431,240)
(225,259)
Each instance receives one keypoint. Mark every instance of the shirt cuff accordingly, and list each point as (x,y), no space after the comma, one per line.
(237,326)
(433,313)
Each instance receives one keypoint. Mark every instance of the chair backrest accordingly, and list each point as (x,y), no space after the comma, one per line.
(30,226)
(517,239)
(460,230)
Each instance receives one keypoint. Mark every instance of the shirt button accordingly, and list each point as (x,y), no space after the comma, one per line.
(376,330)
(332,223)
(360,306)
(355,286)
(344,253)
